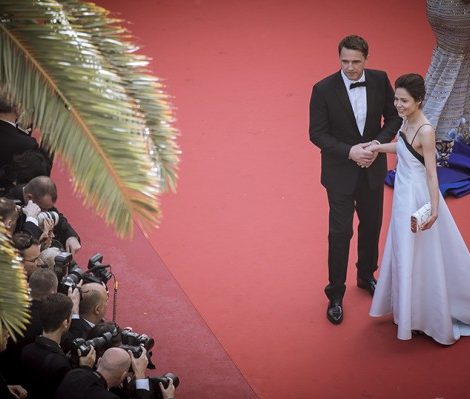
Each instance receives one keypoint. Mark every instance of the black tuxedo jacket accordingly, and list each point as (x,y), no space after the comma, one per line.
(334,130)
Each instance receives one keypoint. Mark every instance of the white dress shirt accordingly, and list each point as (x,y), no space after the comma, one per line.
(358,100)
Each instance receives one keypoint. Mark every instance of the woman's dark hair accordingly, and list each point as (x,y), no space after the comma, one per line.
(413,83)
(354,42)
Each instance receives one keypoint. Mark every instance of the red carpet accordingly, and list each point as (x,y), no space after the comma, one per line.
(244,240)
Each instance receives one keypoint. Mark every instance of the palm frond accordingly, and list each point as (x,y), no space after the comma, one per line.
(114,42)
(52,67)
(14,299)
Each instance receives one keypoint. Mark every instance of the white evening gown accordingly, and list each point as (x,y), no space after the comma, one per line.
(424,277)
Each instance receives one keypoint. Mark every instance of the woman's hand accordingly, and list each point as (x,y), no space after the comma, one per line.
(428,224)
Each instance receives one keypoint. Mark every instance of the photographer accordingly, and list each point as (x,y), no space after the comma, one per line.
(93,306)
(8,391)
(29,249)
(42,191)
(41,283)
(112,369)
(44,363)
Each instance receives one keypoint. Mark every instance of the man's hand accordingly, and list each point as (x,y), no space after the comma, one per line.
(169,392)
(360,154)
(31,210)
(139,365)
(18,391)
(89,359)
(72,245)
(74,295)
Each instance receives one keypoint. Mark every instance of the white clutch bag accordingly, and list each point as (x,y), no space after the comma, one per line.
(419,217)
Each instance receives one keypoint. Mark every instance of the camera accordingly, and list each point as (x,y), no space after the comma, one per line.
(100,343)
(70,274)
(54,216)
(98,269)
(134,339)
(165,380)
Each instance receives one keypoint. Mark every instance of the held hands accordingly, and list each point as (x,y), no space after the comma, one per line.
(364,153)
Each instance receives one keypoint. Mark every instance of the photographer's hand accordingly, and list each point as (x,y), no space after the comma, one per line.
(17,391)
(31,210)
(139,364)
(169,392)
(72,245)
(88,360)
(74,295)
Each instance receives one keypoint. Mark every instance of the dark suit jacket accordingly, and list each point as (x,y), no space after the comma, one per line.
(334,130)
(10,359)
(84,383)
(79,328)
(44,366)
(14,141)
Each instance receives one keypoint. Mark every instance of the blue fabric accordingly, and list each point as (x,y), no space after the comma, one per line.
(453,180)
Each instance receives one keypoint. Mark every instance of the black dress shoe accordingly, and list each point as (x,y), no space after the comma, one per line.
(334,313)
(367,284)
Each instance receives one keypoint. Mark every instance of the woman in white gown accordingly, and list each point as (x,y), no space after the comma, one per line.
(425,276)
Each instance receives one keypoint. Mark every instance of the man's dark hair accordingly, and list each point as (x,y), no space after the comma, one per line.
(28,165)
(22,241)
(54,309)
(5,106)
(354,42)
(41,186)
(41,283)
(413,83)
(7,209)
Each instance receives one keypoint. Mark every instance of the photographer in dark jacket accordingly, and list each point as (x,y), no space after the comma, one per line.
(44,363)
(112,369)
(8,391)
(42,191)
(42,283)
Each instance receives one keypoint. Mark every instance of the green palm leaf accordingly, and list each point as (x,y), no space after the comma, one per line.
(14,300)
(86,109)
(113,41)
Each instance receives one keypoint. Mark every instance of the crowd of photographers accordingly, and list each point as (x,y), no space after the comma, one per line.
(68,350)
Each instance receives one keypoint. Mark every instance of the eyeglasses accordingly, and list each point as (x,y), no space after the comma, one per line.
(35,260)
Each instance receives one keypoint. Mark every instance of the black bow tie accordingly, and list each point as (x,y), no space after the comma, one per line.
(357,84)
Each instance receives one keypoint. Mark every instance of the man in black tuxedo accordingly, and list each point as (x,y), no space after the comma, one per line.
(346,111)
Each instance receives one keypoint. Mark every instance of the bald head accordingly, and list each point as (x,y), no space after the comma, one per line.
(113,365)
(94,302)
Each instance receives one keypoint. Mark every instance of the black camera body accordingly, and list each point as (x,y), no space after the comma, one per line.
(70,274)
(134,339)
(100,343)
(165,380)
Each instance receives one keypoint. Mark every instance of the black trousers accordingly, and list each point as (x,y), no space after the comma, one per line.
(369,207)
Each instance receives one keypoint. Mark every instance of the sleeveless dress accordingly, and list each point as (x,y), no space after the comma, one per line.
(424,277)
